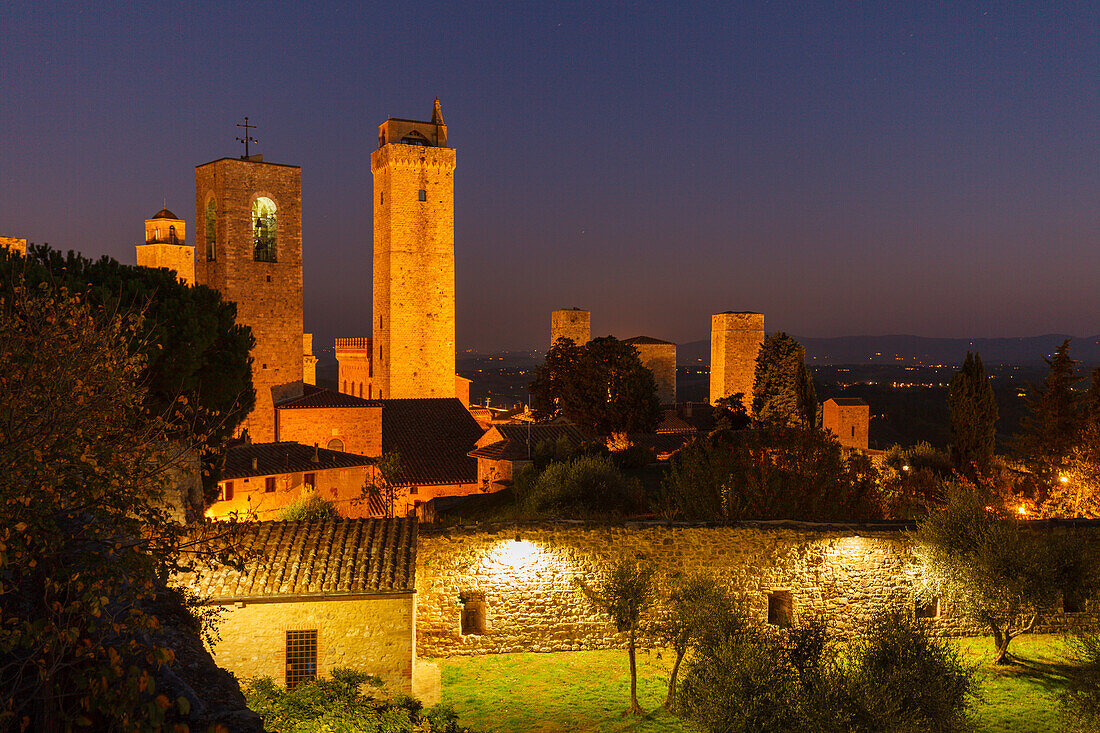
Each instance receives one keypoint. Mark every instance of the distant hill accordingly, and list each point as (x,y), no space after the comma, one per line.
(917,350)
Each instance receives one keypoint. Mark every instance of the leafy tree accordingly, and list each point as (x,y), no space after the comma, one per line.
(85,540)
(309,509)
(384,482)
(692,606)
(973,416)
(1052,426)
(601,387)
(772,474)
(783,393)
(912,479)
(730,413)
(339,704)
(192,346)
(1081,701)
(583,487)
(1004,574)
(624,594)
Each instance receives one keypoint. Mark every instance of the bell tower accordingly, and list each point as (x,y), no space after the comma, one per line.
(414,259)
(248,222)
(165,246)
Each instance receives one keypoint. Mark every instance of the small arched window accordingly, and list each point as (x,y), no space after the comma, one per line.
(172,234)
(415,138)
(211,231)
(336,444)
(263,230)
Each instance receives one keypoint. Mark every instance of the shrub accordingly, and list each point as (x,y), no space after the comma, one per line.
(1081,701)
(309,509)
(582,487)
(338,704)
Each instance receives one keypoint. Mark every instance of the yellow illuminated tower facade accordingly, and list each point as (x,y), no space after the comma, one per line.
(248,222)
(414,260)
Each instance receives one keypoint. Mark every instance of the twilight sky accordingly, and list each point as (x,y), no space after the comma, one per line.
(930,168)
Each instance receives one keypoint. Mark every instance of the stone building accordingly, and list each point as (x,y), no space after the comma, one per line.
(15,244)
(166,246)
(316,596)
(249,227)
(414,262)
(309,360)
(572,323)
(658,357)
(356,369)
(735,340)
(849,419)
(504,450)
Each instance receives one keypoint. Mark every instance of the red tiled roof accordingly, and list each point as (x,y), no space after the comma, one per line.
(520,440)
(287,457)
(319,397)
(344,557)
(433,437)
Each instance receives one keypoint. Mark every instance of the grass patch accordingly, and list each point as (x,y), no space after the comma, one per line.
(587,691)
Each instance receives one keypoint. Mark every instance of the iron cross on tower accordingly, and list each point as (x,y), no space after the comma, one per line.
(247,138)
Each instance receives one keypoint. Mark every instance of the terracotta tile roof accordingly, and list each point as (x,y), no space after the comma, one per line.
(433,437)
(345,557)
(320,397)
(646,340)
(847,401)
(672,423)
(514,447)
(276,458)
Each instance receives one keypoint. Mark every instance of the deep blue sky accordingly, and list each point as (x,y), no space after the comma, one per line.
(845,168)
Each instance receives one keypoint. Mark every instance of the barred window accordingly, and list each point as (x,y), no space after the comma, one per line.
(301,657)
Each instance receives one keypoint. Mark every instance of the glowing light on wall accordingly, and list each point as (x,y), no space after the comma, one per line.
(516,553)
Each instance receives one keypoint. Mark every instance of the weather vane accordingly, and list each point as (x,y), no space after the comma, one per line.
(247,138)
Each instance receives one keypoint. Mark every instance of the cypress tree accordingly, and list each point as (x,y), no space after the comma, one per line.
(783,393)
(1052,427)
(973,416)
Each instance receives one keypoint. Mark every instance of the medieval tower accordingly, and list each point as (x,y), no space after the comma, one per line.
(165,246)
(572,323)
(248,221)
(735,340)
(414,260)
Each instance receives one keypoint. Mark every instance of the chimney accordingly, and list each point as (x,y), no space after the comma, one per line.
(316,454)
(255,464)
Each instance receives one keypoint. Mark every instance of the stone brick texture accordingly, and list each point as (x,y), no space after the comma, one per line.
(359,428)
(661,360)
(849,423)
(532,603)
(735,340)
(373,633)
(15,244)
(355,377)
(572,323)
(179,258)
(414,271)
(341,486)
(268,294)
(309,360)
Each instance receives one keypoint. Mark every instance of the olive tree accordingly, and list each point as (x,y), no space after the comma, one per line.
(693,604)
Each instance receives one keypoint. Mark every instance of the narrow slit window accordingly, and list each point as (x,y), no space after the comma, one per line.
(423,195)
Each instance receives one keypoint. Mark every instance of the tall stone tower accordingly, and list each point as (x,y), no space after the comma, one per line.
(658,357)
(414,259)
(248,216)
(572,323)
(735,340)
(165,246)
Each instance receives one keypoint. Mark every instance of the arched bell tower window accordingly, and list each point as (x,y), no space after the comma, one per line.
(263,230)
(415,138)
(211,232)
(172,234)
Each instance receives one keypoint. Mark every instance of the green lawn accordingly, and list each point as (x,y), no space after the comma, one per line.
(587,691)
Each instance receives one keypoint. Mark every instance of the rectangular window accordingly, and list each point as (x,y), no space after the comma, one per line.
(228,492)
(301,657)
(780,608)
(928,607)
(269,485)
(311,480)
(382,197)
(472,621)
(423,195)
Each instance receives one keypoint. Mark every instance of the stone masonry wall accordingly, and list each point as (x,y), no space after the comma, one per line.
(735,340)
(359,428)
(572,323)
(532,604)
(374,634)
(661,360)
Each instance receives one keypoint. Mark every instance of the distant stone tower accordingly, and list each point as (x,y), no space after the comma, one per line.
(658,357)
(15,244)
(735,340)
(414,259)
(165,246)
(249,224)
(573,323)
(309,360)
(356,373)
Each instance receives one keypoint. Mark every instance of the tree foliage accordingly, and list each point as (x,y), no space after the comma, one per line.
(85,541)
(1052,427)
(624,594)
(585,486)
(600,387)
(771,474)
(384,481)
(191,345)
(693,605)
(312,508)
(911,480)
(1004,575)
(973,416)
(783,393)
(340,704)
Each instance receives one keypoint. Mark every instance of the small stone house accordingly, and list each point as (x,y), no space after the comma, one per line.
(316,596)
(504,450)
(849,419)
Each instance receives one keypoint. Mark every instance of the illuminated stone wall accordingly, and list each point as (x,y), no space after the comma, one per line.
(374,634)
(342,486)
(15,244)
(358,428)
(735,340)
(532,604)
(179,258)
(353,355)
(659,358)
(572,323)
